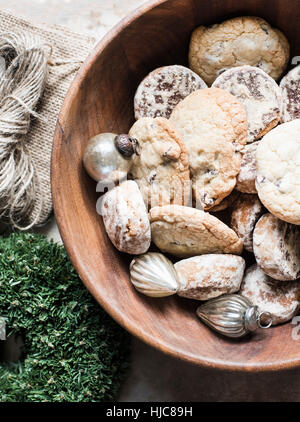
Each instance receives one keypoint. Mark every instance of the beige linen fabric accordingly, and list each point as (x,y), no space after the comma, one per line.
(68,51)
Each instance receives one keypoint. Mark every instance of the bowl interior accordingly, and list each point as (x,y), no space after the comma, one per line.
(101,100)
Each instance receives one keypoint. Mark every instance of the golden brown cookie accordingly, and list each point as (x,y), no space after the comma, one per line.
(207,276)
(161,166)
(126,219)
(236,42)
(245,214)
(184,232)
(214,129)
(163,89)
(276,247)
(281,300)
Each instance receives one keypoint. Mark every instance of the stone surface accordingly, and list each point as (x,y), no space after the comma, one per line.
(154,376)
(93,17)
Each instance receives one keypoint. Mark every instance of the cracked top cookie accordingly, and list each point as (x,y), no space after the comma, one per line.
(236,42)
(185,232)
(160,166)
(207,276)
(163,89)
(290,91)
(278,171)
(258,93)
(247,175)
(245,214)
(282,300)
(126,219)
(276,247)
(214,128)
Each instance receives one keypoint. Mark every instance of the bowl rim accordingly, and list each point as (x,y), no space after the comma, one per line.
(128,324)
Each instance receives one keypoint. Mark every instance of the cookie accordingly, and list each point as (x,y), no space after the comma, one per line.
(236,42)
(258,93)
(185,232)
(207,276)
(245,214)
(163,89)
(278,171)
(246,178)
(276,247)
(126,219)
(290,92)
(214,128)
(161,166)
(227,202)
(281,300)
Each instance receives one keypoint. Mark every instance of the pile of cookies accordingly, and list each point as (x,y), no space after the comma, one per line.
(220,135)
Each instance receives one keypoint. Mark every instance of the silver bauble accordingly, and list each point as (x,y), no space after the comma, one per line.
(103,161)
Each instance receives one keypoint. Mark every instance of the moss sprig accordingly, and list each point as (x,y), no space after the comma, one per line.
(73,351)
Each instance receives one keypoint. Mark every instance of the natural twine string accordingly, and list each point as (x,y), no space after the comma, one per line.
(21,87)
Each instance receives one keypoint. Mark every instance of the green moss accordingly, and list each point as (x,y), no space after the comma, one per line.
(73,350)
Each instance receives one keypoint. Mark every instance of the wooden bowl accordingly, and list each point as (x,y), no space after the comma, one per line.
(101,100)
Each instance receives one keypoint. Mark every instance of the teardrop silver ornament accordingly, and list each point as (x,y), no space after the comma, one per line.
(154,275)
(233,315)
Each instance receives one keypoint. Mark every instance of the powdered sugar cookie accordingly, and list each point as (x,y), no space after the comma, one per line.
(214,128)
(245,214)
(236,42)
(278,171)
(126,219)
(184,232)
(161,166)
(163,89)
(281,300)
(246,178)
(276,247)
(207,276)
(258,93)
(290,91)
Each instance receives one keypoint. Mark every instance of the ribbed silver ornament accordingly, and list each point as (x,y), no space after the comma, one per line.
(154,275)
(232,315)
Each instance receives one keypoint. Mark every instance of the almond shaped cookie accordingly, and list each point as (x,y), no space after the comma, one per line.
(281,300)
(246,178)
(185,232)
(126,219)
(276,247)
(245,214)
(239,41)
(163,89)
(258,93)
(161,166)
(278,171)
(214,128)
(207,276)
(290,91)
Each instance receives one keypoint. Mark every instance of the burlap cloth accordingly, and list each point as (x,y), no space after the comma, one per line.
(67,46)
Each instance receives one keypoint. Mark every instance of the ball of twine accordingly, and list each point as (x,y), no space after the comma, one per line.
(23,74)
